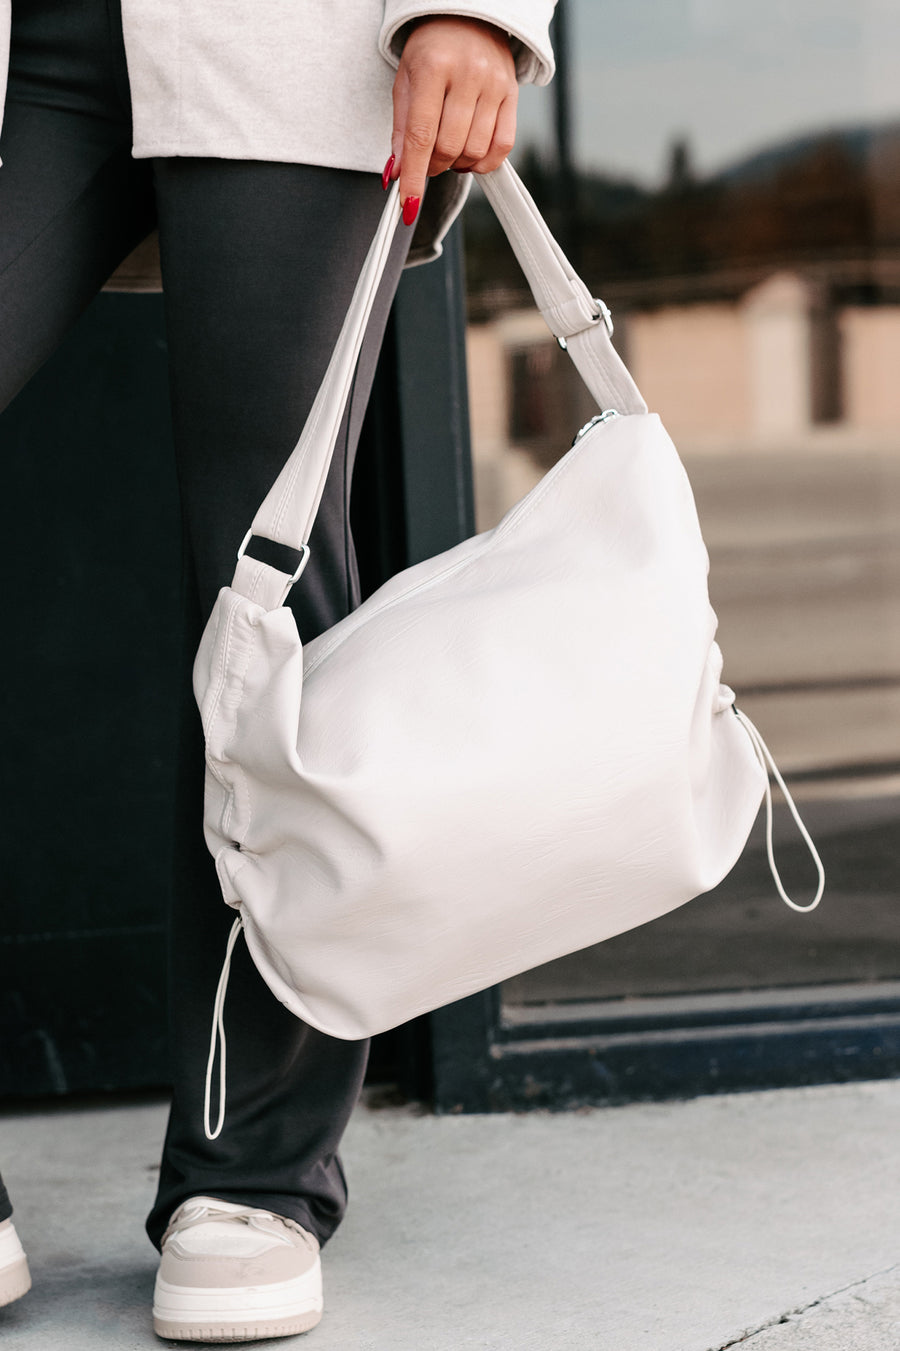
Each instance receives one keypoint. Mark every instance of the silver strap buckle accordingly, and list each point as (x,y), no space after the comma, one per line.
(304,555)
(604,313)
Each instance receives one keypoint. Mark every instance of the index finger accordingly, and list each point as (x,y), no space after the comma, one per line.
(417,116)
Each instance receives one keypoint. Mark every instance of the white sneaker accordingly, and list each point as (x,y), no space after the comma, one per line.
(233,1273)
(15,1278)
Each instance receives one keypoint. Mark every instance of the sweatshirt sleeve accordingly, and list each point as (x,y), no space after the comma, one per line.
(526,21)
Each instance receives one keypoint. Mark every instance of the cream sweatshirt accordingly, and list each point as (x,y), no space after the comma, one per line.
(303,81)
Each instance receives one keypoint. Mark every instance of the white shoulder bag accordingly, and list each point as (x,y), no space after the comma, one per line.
(509,752)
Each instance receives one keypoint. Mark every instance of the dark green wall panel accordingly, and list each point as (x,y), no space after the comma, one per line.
(91,576)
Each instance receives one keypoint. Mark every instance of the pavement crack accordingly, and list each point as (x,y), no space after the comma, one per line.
(802,1309)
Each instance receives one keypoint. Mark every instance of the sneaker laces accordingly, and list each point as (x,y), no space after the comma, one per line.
(193,1213)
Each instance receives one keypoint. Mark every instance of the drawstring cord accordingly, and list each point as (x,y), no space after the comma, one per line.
(217,1036)
(767,760)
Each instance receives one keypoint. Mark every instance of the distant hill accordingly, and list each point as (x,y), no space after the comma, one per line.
(861,143)
(822,199)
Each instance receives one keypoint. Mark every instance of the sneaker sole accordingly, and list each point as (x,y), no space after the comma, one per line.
(198,1314)
(235,1332)
(15,1281)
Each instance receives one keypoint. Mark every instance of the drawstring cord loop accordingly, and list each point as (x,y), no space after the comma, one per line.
(217,1036)
(767,760)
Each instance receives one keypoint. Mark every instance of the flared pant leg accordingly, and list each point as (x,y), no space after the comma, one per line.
(259,263)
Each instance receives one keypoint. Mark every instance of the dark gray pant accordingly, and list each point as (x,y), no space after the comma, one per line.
(259,261)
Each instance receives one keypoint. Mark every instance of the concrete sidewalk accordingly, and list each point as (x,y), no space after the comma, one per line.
(766,1220)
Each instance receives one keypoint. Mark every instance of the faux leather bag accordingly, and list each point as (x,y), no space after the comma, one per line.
(510,751)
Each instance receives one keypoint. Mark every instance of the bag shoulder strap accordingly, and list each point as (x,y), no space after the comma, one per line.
(582,323)
(289,510)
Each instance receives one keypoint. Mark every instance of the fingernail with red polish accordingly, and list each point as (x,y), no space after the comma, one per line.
(386,173)
(410,210)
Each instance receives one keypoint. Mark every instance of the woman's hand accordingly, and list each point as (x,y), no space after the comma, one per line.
(455,98)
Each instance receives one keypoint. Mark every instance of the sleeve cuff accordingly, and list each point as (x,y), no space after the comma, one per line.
(527,25)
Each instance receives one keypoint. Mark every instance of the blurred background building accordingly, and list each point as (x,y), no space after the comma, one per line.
(729,181)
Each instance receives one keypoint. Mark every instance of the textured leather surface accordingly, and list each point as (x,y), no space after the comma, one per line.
(511,751)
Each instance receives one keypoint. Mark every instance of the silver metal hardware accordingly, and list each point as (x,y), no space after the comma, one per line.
(304,555)
(603,312)
(605,416)
(304,559)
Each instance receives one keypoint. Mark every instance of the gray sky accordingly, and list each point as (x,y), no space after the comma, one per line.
(732,75)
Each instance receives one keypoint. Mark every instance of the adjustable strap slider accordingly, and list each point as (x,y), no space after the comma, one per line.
(283,557)
(574,313)
(603,312)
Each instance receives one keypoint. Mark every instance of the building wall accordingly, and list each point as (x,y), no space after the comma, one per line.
(870,343)
(750,372)
(690,363)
